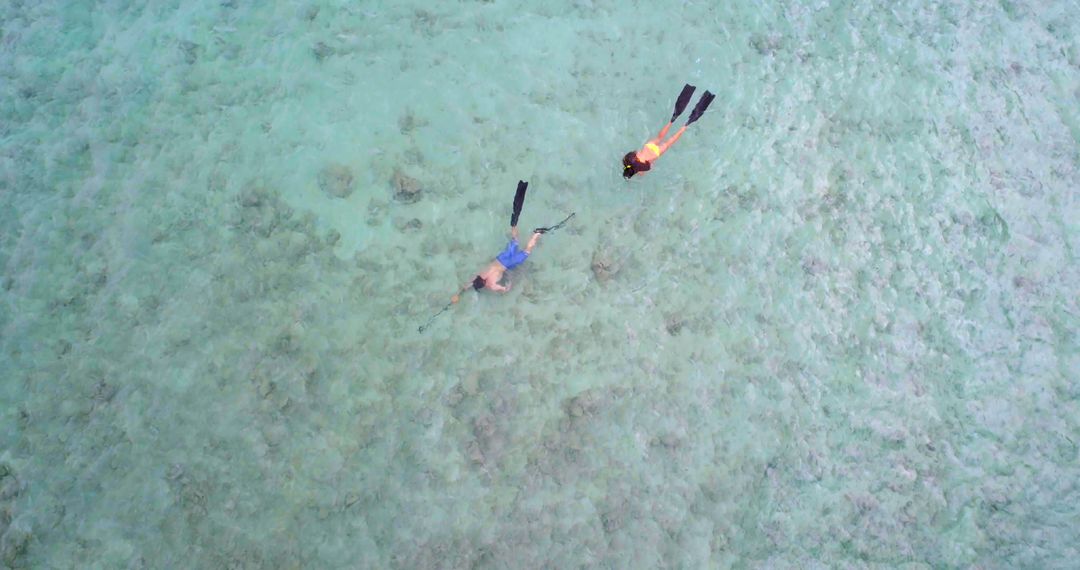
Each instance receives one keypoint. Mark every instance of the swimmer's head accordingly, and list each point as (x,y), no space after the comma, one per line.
(478,283)
(631,165)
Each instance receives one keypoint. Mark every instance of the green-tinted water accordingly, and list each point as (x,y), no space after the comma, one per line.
(836,326)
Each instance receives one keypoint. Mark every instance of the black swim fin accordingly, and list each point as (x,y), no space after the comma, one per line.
(519,201)
(699,109)
(683,101)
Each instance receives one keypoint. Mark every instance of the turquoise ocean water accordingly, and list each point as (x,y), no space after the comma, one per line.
(835,327)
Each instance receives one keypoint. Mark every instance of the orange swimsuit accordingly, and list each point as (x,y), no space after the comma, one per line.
(654,148)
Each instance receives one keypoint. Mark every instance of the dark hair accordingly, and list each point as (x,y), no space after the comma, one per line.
(631,165)
(478,283)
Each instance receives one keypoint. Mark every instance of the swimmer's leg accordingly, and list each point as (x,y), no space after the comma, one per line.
(532,242)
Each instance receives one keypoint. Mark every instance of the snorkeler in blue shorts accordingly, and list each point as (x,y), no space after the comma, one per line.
(511,257)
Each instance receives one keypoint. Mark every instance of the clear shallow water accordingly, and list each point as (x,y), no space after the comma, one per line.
(835,327)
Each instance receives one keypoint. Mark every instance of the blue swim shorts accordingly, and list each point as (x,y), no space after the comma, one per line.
(512,257)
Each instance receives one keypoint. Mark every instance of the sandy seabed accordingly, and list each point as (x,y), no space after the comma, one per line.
(835,327)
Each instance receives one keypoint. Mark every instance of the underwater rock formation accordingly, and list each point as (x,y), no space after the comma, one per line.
(408,225)
(336,180)
(604,265)
(321,51)
(406,188)
(13,539)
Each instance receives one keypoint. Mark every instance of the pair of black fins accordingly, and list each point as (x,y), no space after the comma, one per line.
(519,201)
(684,100)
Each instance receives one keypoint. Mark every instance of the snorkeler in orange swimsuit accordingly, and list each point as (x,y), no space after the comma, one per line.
(641,161)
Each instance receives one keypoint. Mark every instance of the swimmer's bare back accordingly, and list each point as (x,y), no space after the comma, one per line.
(492,274)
